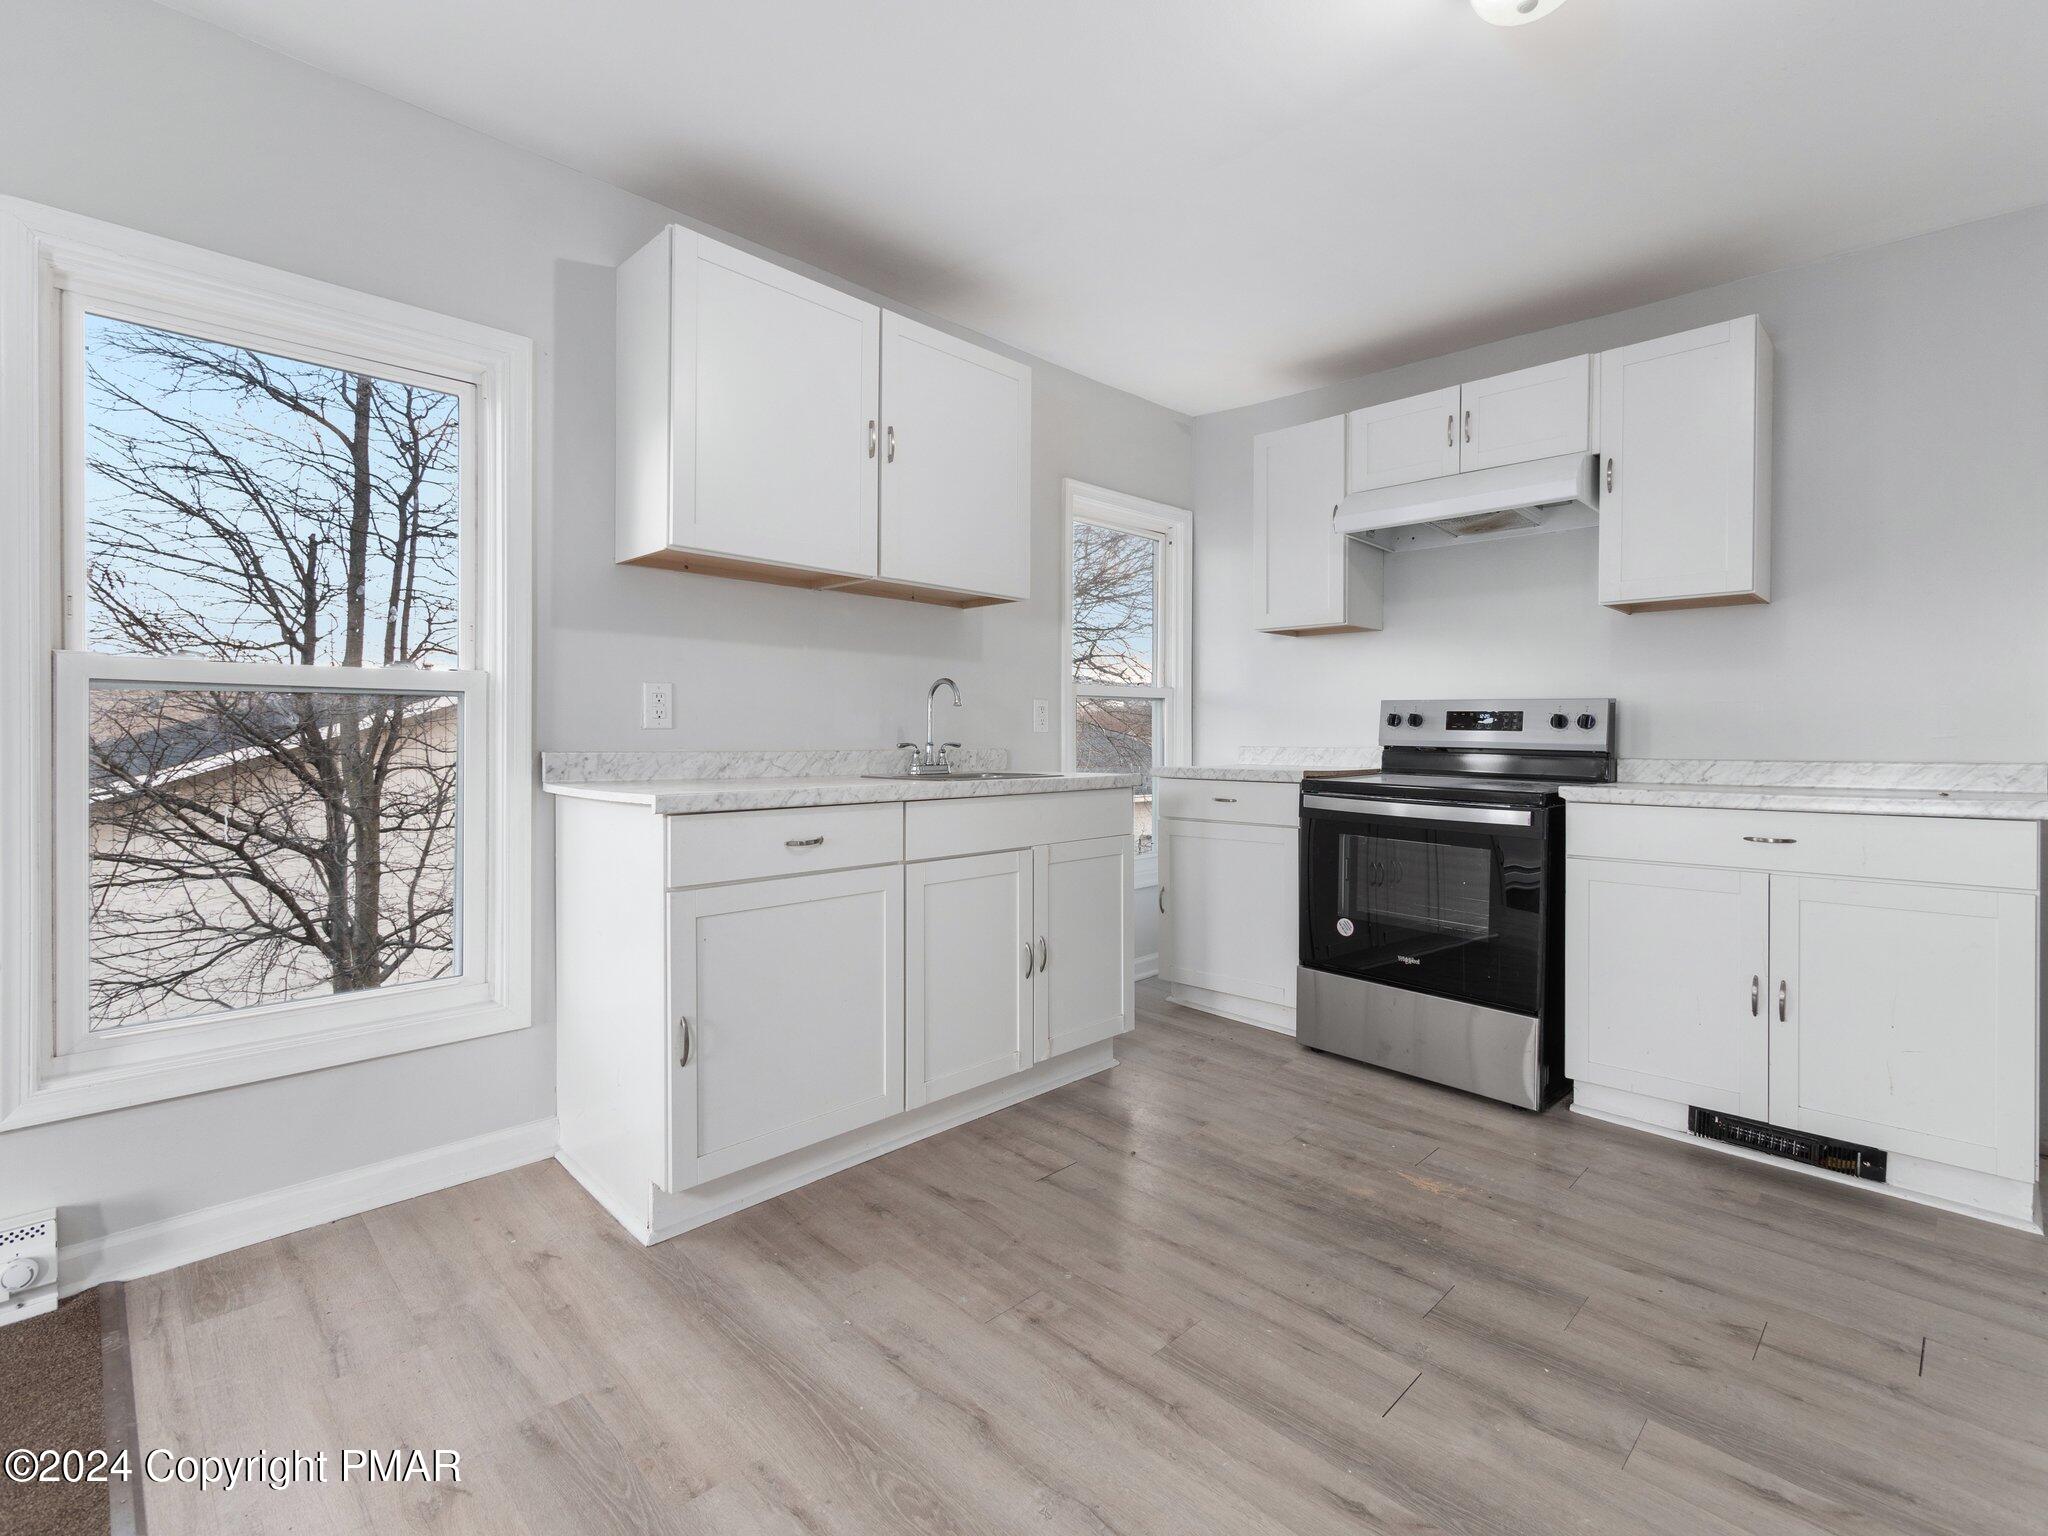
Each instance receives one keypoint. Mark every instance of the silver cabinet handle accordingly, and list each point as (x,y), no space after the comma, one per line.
(1451,430)
(1027,957)
(683,1024)
(892,442)
(871,439)
(1162,898)
(1756,984)
(1224,799)
(803,842)
(1468,426)
(1775,841)
(1610,474)
(1781,1002)
(1044,956)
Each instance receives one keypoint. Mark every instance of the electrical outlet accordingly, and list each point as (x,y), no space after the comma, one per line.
(657,706)
(1041,715)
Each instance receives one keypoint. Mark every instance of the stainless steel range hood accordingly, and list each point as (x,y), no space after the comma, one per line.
(1541,495)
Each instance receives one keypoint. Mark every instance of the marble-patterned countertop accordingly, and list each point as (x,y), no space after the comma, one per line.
(1993,791)
(689,783)
(1280,765)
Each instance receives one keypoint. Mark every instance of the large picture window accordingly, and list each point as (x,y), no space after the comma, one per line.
(287,696)
(1127,640)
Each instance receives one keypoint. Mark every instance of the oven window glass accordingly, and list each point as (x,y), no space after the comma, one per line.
(1451,910)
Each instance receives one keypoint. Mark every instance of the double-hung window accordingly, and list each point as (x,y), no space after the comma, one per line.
(1128,563)
(285,531)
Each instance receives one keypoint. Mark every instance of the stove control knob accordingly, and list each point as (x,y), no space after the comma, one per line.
(1393,719)
(1558,722)
(1587,722)
(1415,719)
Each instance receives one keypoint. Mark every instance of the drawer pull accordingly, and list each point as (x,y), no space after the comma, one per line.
(1752,838)
(803,842)
(1224,799)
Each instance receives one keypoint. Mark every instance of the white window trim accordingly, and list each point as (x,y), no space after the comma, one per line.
(1173,647)
(48,260)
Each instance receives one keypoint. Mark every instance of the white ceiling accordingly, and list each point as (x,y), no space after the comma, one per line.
(1213,202)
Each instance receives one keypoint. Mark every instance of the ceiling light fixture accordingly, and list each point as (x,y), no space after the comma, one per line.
(1513,13)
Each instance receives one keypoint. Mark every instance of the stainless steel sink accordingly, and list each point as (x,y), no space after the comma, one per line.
(956,777)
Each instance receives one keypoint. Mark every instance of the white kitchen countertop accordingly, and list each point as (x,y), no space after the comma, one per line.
(1992,805)
(681,797)
(1280,765)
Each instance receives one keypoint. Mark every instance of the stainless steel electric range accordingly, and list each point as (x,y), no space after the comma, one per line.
(1432,893)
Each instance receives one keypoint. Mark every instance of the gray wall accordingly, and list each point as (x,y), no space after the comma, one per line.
(1906,620)
(127,112)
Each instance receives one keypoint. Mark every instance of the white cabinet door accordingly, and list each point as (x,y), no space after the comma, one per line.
(1910,1019)
(1232,895)
(1533,413)
(956,464)
(1083,990)
(1685,504)
(787,997)
(773,390)
(1306,575)
(1403,440)
(971,951)
(1666,968)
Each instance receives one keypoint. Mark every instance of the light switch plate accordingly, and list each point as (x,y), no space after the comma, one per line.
(1041,715)
(657,706)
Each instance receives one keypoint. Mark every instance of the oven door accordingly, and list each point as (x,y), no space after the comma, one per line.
(1427,896)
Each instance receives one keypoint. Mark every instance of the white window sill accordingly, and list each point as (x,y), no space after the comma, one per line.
(76,1085)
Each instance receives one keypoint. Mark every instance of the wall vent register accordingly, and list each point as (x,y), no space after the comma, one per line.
(1794,1146)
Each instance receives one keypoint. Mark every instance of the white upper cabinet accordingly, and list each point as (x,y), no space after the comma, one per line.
(1533,413)
(1685,506)
(956,464)
(1306,575)
(752,441)
(1403,440)
(745,397)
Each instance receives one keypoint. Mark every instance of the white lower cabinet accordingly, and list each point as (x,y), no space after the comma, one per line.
(1787,985)
(1665,981)
(1909,1019)
(1013,958)
(1083,989)
(749,1000)
(788,1000)
(972,949)
(1230,896)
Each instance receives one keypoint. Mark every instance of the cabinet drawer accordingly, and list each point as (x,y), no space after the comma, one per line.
(748,845)
(945,829)
(1260,804)
(1935,850)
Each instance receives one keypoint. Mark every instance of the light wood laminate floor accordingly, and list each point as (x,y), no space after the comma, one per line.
(1230,1286)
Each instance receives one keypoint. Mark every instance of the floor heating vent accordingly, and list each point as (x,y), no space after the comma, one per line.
(28,1266)
(1794,1146)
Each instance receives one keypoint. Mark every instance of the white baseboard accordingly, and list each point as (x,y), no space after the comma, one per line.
(1277,1017)
(1145,967)
(146,1250)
